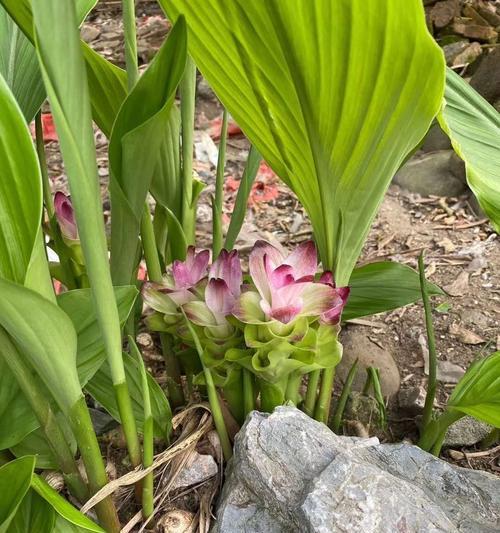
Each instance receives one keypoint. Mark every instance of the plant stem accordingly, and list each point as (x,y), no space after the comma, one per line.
(217,234)
(322,410)
(147,442)
(312,392)
(431,342)
(432,435)
(91,455)
(149,246)
(292,388)
(213,397)
(127,418)
(187,90)
(62,252)
(346,390)
(248,392)
(129,30)
(271,395)
(39,402)
(174,385)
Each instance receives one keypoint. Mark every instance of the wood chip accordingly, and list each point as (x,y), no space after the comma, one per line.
(465,335)
(460,286)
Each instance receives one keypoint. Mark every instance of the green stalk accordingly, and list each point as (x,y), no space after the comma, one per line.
(248,392)
(148,442)
(153,265)
(312,392)
(217,206)
(346,390)
(431,343)
(292,388)
(492,438)
(213,397)
(322,410)
(129,31)
(432,436)
(91,455)
(62,251)
(187,90)
(39,402)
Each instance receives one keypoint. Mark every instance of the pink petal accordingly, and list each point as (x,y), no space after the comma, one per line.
(218,297)
(263,253)
(317,298)
(286,314)
(189,272)
(65,216)
(228,267)
(327,278)
(332,316)
(281,276)
(303,260)
(200,265)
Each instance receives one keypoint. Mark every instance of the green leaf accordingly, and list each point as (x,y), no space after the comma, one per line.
(36,444)
(20,190)
(34,515)
(18,419)
(334,95)
(79,306)
(45,336)
(19,67)
(100,387)
(107,83)
(473,126)
(379,287)
(478,392)
(138,133)
(18,61)
(15,480)
(63,508)
(240,204)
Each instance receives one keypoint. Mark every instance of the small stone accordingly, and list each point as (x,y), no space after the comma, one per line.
(459,287)
(442,13)
(89,33)
(436,140)
(452,50)
(466,431)
(448,372)
(485,79)
(469,55)
(358,346)
(475,31)
(177,521)
(412,400)
(432,174)
(204,90)
(198,469)
(476,317)
(101,421)
(144,340)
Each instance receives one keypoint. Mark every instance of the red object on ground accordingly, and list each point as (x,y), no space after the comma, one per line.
(216,127)
(264,189)
(48,128)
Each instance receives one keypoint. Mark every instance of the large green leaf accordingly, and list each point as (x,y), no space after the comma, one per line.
(15,480)
(473,126)
(139,131)
(379,287)
(101,388)
(78,305)
(63,508)
(20,190)
(18,419)
(45,336)
(34,515)
(478,392)
(107,83)
(332,94)
(18,61)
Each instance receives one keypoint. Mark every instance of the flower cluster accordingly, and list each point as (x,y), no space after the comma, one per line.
(284,320)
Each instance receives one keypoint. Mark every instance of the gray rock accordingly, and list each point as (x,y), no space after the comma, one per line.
(435,140)
(452,50)
(198,469)
(358,346)
(485,79)
(466,431)
(439,173)
(411,401)
(101,421)
(292,474)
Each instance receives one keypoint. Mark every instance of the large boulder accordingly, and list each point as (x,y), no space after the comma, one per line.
(292,474)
